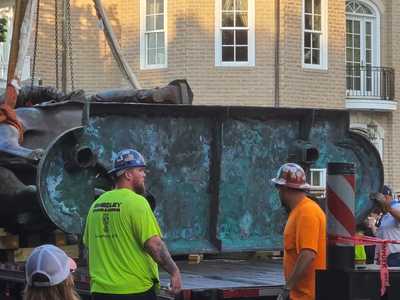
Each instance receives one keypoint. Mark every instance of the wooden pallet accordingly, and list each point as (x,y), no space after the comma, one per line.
(8,241)
(59,238)
(10,250)
(22,254)
(195,258)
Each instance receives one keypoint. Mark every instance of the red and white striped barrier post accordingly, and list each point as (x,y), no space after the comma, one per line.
(341,219)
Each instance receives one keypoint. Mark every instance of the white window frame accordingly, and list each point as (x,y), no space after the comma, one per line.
(376,29)
(322,183)
(250,38)
(323,65)
(143,46)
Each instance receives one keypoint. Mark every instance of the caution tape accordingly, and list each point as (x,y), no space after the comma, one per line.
(370,241)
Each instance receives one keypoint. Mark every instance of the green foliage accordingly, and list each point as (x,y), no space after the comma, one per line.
(3,30)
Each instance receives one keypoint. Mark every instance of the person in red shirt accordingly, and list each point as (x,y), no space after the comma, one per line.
(304,235)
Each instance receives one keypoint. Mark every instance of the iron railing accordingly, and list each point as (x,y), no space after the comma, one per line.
(370,82)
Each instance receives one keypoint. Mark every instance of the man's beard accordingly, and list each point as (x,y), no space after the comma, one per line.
(140,189)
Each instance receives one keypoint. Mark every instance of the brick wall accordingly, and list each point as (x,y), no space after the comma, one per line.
(190,51)
(191,55)
(313,88)
(93,65)
(191,34)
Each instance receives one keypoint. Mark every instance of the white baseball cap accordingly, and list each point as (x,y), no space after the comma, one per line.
(51,263)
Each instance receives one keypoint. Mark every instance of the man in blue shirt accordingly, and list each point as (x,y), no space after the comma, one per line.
(388,225)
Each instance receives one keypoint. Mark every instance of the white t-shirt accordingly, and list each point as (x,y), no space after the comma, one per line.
(390,229)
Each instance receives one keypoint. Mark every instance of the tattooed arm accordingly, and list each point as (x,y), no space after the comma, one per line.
(159,252)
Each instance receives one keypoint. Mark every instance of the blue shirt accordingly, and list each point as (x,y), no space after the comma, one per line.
(390,228)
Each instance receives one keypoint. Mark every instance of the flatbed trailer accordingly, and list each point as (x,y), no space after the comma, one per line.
(210,279)
(229,279)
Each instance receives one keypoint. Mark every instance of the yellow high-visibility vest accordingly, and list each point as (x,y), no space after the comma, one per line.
(360,255)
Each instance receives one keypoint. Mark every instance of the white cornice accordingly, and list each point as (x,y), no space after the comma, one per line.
(370,104)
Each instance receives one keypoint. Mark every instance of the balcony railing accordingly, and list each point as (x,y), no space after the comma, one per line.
(370,82)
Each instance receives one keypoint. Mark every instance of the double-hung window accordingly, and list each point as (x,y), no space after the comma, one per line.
(153,34)
(315,34)
(318,178)
(234,33)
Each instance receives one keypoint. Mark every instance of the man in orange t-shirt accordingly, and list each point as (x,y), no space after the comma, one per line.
(304,235)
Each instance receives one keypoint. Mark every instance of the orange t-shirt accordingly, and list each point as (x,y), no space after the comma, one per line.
(305,229)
